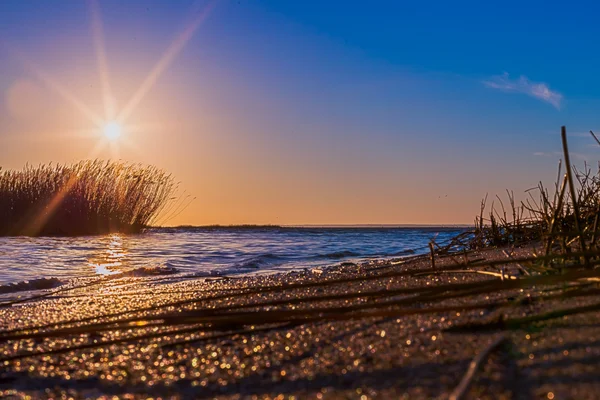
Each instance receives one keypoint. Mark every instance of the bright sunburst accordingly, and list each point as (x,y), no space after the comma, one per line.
(115,121)
(112,130)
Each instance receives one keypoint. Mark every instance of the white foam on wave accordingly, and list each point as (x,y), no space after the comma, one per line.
(33,284)
(148,271)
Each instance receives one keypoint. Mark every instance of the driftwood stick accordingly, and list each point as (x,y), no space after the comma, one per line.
(468,271)
(519,266)
(462,388)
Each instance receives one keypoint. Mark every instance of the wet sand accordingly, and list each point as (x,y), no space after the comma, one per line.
(348,331)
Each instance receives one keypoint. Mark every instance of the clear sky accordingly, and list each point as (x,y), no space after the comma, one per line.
(306,112)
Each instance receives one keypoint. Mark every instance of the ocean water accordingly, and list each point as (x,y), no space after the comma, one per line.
(204,251)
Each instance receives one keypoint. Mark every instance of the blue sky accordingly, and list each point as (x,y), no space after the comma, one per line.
(366,101)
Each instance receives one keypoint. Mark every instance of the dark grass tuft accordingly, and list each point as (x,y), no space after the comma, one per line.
(87,198)
(563,221)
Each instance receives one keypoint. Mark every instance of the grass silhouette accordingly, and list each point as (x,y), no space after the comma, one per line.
(563,221)
(86,198)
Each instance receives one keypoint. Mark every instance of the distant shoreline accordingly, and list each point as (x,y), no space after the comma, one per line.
(318,226)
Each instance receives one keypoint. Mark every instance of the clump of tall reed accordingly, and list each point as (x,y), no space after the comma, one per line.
(563,221)
(89,197)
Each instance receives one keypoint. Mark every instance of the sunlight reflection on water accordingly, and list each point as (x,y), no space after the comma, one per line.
(112,258)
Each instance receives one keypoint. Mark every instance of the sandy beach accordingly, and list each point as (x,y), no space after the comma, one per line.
(383,329)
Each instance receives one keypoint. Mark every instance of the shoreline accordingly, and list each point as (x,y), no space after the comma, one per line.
(375,330)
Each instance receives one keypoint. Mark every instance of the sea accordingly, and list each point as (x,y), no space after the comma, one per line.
(28,263)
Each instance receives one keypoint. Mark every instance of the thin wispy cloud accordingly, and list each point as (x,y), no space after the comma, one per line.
(539,90)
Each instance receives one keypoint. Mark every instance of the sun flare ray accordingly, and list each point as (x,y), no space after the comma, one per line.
(37,223)
(163,63)
(100,47)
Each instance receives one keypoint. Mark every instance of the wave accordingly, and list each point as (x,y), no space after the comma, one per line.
(402,253)
(339,254)
(33,284)
(147,271)
(257,261)
(269,259)
(353,254)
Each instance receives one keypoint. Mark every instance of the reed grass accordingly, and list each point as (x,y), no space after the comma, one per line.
(562,221)
(86,198)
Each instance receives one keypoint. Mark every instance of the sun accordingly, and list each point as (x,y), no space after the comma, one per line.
(112,130)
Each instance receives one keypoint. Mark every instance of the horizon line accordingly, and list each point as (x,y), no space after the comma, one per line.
(319,226)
